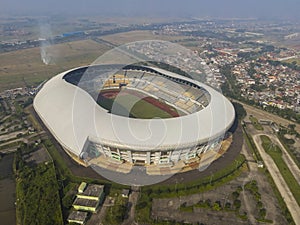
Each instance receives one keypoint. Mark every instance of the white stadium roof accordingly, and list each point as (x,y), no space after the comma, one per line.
(73,116)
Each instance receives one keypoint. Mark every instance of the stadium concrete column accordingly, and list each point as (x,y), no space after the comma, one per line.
(129,156)
(176,155)
(86,145)
(148,158)
(157,157)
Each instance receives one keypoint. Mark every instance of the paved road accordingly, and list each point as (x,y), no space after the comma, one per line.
(287,159)
(9,150)
(279,181)
(261,114)
(12,135)
(24,139)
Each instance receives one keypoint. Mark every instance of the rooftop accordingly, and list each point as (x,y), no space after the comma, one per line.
(81,187)
(78,216)
(86,202)
(125,192)
(92,122)
(92,190)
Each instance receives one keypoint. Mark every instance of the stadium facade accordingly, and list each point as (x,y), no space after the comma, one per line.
(68,104)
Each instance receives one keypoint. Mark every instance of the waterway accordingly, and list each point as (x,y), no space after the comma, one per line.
(7,191)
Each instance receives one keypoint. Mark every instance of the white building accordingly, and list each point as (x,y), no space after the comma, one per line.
(67,106)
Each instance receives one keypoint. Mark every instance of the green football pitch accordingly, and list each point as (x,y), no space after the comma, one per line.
(135,107)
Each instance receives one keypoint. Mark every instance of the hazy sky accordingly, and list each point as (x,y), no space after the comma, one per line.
(287,9)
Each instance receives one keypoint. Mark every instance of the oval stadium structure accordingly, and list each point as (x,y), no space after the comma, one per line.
(135,115)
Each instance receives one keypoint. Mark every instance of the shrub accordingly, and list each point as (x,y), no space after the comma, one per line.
(235,194)
(262,213)
(67,201)
(227,205)
(237,204)
(217,206)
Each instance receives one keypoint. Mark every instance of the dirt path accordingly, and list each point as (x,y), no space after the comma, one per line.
(133,198)
(251,176)
(97,218)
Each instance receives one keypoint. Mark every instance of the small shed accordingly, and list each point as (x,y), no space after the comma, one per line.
(77,217)
(125,193)
(81,187)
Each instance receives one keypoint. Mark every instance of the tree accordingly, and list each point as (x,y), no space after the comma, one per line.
(259,204)
(292,126)
(262,213)
(237,204)
(217,206)
(267,48)
(67,201)
(227,205)
(208,202)
(235,194)
(239,109)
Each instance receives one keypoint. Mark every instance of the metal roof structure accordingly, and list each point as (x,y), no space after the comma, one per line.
(74,117)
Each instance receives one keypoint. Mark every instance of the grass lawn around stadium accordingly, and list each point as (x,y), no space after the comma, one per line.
(133,106)
(275,152)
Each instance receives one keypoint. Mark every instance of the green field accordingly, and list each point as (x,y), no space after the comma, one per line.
(139,35)
(275,152)
(133,106)
(25,67)
(255,123)
(146,110)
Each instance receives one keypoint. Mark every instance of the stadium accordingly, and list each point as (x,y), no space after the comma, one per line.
(135,115)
